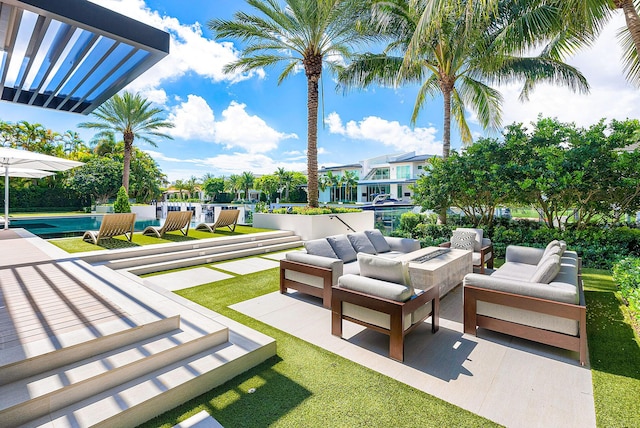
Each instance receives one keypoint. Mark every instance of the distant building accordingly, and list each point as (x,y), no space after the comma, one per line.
(388,174)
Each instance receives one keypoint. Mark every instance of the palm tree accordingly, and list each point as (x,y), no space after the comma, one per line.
(331,180)
(133,117)
(246,179)
(303,32)
(350,179)
(234,184)
(458,54)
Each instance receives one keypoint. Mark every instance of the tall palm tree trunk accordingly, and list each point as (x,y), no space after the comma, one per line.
(128,149)
(313,69)
(632,20)
(446,139)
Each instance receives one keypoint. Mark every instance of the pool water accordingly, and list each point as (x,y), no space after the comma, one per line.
(61,227)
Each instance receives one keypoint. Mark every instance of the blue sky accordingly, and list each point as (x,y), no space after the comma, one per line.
(230,123)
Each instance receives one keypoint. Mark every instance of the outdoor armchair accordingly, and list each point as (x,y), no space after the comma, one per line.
(482,247)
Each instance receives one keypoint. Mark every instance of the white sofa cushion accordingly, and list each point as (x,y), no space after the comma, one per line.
(376,287)
(342,247)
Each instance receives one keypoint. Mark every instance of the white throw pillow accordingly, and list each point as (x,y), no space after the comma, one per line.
(384,269)
(547,270)
(477,245)
(463,240)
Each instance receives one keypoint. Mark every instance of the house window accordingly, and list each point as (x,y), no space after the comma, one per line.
(403,172)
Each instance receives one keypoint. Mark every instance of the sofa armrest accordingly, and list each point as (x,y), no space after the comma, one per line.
(527,255)
(403,245)
(336,265)
(445,244)
(523,288)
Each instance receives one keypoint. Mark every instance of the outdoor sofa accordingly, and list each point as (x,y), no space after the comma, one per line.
(536,295)
(315,270)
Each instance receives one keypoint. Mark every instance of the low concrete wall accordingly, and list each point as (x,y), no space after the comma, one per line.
(315,226)
(144,211)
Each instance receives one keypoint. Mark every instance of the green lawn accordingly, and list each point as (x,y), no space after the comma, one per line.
(77,245)
(614,350)
(304,385)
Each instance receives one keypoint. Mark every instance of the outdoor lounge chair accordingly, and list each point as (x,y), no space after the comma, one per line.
(176,220)
(112,225)
(228,218)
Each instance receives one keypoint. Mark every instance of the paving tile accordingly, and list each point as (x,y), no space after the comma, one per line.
(187,278)
(246,266)
(493,375)
(199,420)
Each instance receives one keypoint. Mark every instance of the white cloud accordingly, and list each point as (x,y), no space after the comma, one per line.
(389,133)
(610,96)
(190,52)
(195,120)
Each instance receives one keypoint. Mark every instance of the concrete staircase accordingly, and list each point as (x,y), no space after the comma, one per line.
(175,351)
(161,257)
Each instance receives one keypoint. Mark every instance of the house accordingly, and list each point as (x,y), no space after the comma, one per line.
(392,174)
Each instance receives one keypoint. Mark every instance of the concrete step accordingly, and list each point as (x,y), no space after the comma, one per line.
(173,254)
(147,396)
(211,258)
(97,257)
(51,360)
(26,399)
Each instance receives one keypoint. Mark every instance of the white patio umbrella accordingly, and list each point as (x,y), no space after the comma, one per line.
(14,160)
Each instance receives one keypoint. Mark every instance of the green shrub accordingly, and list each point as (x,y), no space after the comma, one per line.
(314,211)
(121,205)
(626,274)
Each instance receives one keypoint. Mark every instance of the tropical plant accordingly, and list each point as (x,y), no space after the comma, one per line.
(234,184)
(458,53)
(213,186)
(246,180)
(299,33)
(132,116)
(331,180)
(350,180)
(121,205)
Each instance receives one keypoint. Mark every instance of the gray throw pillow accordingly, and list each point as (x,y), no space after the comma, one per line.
(361,243)
(377,239)
(548,270)
(384,269)
(320,247)
(553,244)
(342,247)
(463,240)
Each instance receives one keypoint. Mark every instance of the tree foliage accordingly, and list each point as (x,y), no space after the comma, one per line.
(121,205)
(572,175)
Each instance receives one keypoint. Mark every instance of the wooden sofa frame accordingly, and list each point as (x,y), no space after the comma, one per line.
(396,310)
(565,310)
(326,274)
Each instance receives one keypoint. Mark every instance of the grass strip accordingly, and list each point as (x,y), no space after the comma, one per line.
(77,245)
(304,385)
(614,351)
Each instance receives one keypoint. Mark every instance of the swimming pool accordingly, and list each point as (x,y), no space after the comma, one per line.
(61,227)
